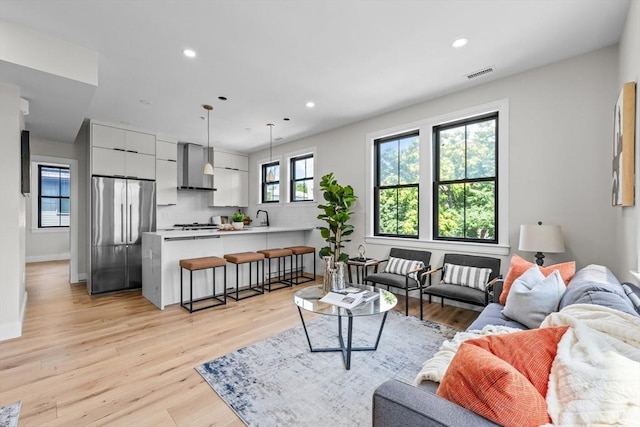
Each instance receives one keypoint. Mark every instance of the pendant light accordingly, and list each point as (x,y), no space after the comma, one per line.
(208,167)
(270,175)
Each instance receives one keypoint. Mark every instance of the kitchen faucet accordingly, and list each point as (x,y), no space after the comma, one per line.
(266,214)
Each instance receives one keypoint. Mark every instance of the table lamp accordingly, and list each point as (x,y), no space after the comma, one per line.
(541,238)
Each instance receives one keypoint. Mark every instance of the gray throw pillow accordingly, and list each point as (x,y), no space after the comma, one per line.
(533,297)
(633,292)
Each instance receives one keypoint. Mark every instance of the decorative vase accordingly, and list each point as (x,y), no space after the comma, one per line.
(237,225)
(329,273)
(338,283)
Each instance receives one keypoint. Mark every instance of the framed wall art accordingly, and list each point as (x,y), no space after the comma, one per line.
(624,127)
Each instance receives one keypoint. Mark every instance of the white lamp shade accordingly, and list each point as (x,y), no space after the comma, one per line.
(208,169)
(541,238)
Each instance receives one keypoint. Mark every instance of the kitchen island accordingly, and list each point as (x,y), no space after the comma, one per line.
(163,250)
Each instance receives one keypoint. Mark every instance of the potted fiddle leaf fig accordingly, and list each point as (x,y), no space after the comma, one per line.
(336,212)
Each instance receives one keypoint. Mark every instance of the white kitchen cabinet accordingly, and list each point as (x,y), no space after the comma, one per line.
(122,152)
(122,139)
(225,160)
(232,187)
(108,162)
(166,150)
(166,172)
(166,182)
(230,179)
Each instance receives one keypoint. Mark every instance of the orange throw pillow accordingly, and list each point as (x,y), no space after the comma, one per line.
(520,265)
(530,352)
(509,392)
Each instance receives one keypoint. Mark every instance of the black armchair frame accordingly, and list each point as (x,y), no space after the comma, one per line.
(390,280)
(470,261)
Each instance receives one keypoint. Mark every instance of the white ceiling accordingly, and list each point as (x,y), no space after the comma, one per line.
(354,59)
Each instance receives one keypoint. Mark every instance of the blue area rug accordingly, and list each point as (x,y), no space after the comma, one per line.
(279,382)
(9,414)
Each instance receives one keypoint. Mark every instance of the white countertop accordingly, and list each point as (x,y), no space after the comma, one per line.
(224,233)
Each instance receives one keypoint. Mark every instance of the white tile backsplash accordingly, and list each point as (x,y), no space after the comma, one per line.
(192,206)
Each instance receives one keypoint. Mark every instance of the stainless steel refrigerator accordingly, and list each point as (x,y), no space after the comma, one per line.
(121,210)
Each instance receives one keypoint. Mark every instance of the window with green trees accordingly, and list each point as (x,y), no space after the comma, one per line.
(396,190)
(302,178)
(465,180)
(271,182)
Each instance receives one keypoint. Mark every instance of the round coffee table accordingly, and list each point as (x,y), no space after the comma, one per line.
(309,299)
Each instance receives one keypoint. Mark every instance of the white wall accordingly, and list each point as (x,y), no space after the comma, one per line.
(627,219)
(560,155)
(12,216)
(44,244)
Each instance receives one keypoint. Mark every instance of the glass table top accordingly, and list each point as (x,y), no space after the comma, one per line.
(309,299)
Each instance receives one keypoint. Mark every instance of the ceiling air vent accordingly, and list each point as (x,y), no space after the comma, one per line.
(482,72)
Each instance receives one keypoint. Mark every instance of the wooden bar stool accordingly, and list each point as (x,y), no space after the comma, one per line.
(247,258)
(299,252)
(279,255)
(204,263)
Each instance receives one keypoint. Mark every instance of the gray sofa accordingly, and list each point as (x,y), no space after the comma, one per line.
(396,404)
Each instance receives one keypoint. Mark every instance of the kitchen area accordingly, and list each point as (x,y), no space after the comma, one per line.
(137,243)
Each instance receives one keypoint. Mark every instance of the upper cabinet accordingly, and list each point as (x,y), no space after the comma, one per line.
(231,179)
(122,152)
(230,161)
(166,172)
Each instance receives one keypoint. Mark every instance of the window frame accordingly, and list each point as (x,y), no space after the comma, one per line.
(425,125)
(437,181)
(292,177)
(59,197)
(264,183)
(378,187)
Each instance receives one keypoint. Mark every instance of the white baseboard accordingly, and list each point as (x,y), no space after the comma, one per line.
(50,257)
(14,329)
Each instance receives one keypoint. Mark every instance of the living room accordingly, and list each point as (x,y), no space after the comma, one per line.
(560,131)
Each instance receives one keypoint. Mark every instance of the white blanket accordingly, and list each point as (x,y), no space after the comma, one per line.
(433,369)
(595,377)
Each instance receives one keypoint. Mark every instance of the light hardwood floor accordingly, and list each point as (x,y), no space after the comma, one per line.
(117,360)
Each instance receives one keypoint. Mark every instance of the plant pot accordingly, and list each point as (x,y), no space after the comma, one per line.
(237,225)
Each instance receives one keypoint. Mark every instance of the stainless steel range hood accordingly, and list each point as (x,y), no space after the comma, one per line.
(191,159)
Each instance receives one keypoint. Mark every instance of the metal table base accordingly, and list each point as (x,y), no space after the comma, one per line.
(345,349)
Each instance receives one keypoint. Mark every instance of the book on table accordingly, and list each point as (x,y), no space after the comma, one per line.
(349,300)
(369,296)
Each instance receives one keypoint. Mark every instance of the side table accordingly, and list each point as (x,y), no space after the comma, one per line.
(361,265)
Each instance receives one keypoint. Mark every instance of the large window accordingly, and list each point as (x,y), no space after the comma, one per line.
(271,182)
(53,196)
(302,178)
(465,180)
(396,189)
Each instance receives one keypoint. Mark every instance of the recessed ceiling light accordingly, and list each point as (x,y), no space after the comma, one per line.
(189,53)
(222,98)
(311,104)
(286,119)
(459,42)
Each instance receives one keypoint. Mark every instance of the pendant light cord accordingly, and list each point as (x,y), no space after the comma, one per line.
(271,125)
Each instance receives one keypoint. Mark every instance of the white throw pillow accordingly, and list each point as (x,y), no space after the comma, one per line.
(403,266)
(472,277)
(533,297)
